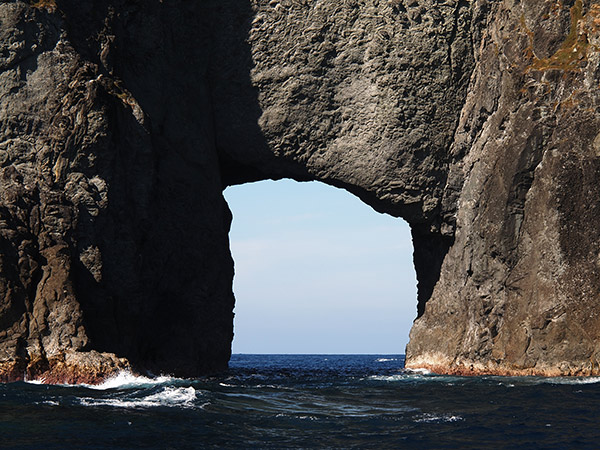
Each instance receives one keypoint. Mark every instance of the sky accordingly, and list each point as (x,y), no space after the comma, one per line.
(318,271)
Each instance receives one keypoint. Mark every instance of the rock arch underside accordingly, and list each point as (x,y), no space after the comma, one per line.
(121,122)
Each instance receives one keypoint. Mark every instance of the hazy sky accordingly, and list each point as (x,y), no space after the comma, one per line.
(318,271)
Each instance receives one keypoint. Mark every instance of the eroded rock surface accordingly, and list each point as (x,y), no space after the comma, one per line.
(122,121)
(113,230)
(519,288)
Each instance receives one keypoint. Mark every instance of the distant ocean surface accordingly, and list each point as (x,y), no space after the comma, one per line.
(306,401)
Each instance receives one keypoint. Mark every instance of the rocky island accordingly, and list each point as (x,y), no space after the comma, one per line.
(121,122)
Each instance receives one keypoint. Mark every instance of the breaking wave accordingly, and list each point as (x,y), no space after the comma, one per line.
(181,397)
(419,371)
(127,380)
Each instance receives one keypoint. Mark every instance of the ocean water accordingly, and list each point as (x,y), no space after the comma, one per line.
(306,401)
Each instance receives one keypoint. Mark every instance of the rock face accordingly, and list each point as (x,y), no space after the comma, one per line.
(122,121)
(520,286)
(113,226)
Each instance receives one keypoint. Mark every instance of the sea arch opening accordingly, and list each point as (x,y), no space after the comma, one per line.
(318,271)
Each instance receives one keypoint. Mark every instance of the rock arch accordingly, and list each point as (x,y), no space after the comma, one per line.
(122,122)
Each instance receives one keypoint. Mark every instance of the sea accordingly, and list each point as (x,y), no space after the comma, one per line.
(305,401)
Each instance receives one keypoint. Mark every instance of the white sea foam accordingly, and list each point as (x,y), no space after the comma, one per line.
(273,386)
(418,375)
(173,395)
(296,416)
(127,380)
(567,380)
(397,377)
(48,402)
(385,359)
(437,418)
(168,396)
(407,374)
(122,380)
(420,371)
(529,381)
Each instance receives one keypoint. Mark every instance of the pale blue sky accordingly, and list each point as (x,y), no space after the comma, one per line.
(318,271)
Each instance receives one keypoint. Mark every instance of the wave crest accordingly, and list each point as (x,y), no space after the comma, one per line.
(181,397)
(127,380)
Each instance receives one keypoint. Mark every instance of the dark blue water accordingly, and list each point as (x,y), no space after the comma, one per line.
(306,401)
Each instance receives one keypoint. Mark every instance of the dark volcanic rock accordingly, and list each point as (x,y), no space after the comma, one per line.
(122,121)
(113,228)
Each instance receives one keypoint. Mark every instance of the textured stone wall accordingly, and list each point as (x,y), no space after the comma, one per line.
(114,229)
(363,95)
(122,121)
(519,288)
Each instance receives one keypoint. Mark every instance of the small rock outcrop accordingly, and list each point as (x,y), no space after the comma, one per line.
(121,122)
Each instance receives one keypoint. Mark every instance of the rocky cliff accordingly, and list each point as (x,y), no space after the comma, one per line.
(122,121)
(520,286)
